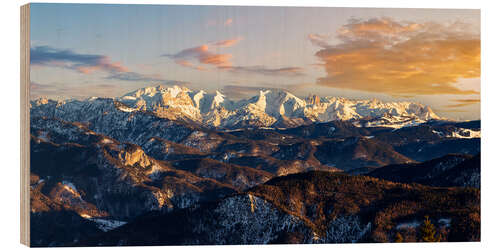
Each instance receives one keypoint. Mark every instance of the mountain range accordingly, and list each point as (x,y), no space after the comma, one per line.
(269,108)
(177,166)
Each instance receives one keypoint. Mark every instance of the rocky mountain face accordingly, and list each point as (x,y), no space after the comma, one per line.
(108,166)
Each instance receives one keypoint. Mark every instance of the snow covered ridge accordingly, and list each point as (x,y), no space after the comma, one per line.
(462,133)
(269,108)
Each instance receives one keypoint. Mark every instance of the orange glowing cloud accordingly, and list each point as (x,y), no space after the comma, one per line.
(228,43)
(188,64)
(400,58)
(319,40)
(184,63)
(221,60)
(462,103)
(377,28)
(228,22)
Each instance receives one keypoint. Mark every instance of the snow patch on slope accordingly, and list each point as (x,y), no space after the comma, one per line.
(465,133)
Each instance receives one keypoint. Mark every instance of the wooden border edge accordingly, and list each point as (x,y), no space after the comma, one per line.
(25,124)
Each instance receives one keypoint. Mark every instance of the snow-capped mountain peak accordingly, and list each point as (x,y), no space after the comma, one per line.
(155,91)
(218,99)
(266,109)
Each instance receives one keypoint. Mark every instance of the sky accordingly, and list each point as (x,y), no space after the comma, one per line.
(431,56)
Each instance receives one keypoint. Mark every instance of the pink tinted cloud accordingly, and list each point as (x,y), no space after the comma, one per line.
(220,60)
(188,64)
(228,22)
(228,43)
(319,40)
(210,23)
(195,57)
(104,64)
(203,55)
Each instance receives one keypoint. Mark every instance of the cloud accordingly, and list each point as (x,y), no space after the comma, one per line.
(450,110)
(285,71)
(138,77)
(36,86)
(377,29)
(212,22)
(219,60)
(462,103)
(467,101)
(188,64)
(83,63)
(63,90)
(400,58)
(86,64)
(240,92)
(202,55)
(320,40)
(228,43)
